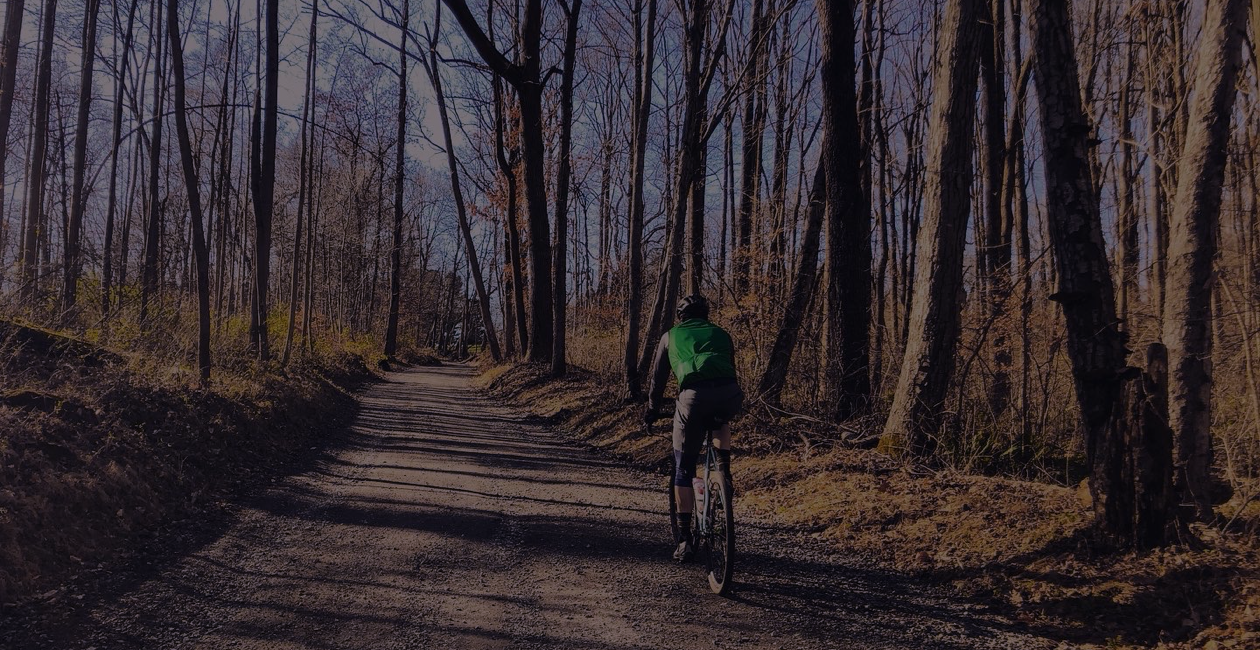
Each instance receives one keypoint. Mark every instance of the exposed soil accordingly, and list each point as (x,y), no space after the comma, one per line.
(446,520)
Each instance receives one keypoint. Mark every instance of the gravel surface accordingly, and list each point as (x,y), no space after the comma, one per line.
(445,520)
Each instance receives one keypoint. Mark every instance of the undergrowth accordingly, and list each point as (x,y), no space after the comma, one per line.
(1019,547)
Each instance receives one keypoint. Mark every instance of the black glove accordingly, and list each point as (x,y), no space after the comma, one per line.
(650,416)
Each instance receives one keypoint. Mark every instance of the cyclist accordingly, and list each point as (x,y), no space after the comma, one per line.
(702,358)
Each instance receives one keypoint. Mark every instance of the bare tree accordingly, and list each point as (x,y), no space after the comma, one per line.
(13,14)
(847,276)
(123,60)
(72,264)
(1192,248)
(563,175)
(483,298)
(927,367)
(36,175)
(1096,346)
(770,387)
(644,53)
(400,145)
(191,184)
(304,165)
(524,76)
(263,173)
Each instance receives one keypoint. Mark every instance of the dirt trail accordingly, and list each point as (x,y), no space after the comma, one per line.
(445,520)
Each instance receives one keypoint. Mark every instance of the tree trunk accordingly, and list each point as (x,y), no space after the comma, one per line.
(779,360)
(929,360)
(72,265)
(194,193)
(304,187)
(1192,249)
(153,226)
(36,174)
(847,276)
(1127,221)
(525,78)
(1095,344)
(750,165)
(400,160)
(121,65)
(265,178)
(13,14)
(997,225)
(560,303)
(645,50)
(513,254)
(483,298)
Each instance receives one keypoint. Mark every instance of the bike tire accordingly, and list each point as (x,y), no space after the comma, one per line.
(674,533)
(720,545)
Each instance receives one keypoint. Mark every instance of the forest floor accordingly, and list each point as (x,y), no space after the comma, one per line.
(1017,549)
(513,511)
(444,519)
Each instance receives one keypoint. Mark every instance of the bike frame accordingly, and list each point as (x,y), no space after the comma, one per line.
(703,505)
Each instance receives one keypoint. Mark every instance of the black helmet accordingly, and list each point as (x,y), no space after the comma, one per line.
(693,306)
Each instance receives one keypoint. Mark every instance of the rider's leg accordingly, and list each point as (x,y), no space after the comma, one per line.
(722,448)
(684,495)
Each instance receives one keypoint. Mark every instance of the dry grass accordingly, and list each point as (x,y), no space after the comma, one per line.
(100,448)
(1020,547)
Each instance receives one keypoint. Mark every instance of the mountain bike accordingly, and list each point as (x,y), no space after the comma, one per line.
(712,521)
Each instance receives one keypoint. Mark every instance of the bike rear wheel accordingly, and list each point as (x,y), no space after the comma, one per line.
(719,543)
(674,533)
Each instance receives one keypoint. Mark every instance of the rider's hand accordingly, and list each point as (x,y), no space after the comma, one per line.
(650,416)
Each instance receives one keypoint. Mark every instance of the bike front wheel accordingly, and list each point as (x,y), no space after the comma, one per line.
(720,540)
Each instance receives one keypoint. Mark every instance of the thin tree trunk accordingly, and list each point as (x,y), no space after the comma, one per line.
(36,175)
(13,15)
(483,298)
(779,360)
(194,193)
(72,265)
(645,50)
(153,226)
(303,187)
(750,165)
(997,224)
(112,203)
(560,248)
(400,147)
(264,181)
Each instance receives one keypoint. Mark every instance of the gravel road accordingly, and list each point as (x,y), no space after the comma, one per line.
(446,520)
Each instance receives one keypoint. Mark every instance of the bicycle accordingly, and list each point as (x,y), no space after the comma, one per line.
(712,521)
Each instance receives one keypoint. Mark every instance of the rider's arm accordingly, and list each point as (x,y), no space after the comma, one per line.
(660,373)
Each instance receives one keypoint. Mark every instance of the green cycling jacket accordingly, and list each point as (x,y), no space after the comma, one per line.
(700,350)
